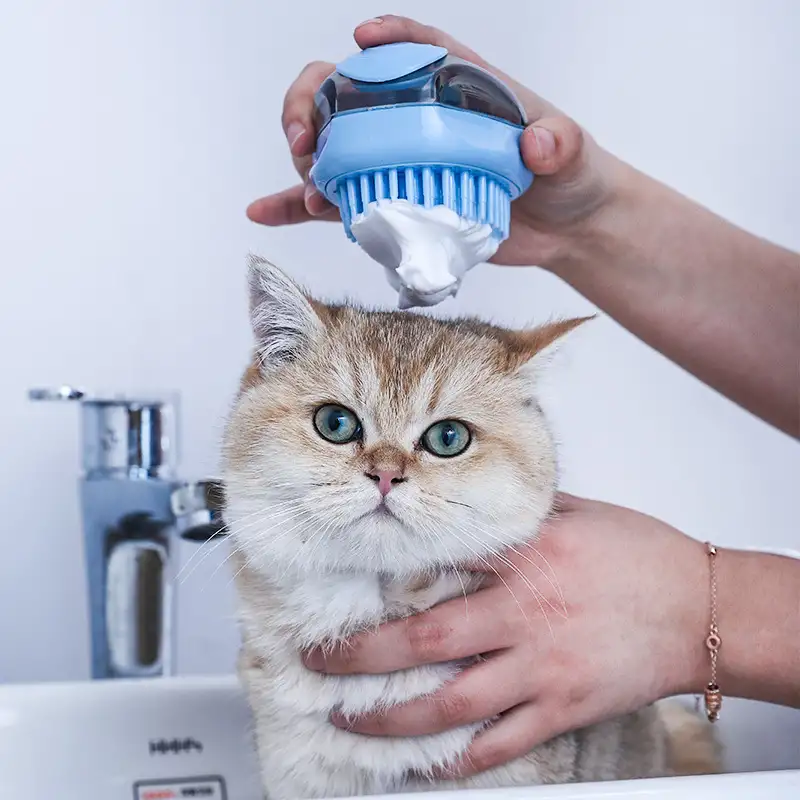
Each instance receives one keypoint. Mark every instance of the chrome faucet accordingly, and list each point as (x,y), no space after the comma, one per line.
(133,508)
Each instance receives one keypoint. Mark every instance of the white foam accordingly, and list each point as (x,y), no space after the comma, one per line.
(426,251)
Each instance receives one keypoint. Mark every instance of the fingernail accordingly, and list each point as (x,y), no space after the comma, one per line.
(309,192)
(545,143)
(340,720)
(293,133)
(313,659)
(373,21)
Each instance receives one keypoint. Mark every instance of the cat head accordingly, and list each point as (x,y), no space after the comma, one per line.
(383,441)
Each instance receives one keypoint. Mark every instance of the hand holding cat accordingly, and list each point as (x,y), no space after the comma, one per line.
(596,618)
(574,175)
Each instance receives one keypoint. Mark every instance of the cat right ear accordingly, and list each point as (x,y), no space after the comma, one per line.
(283,319)
(531,349)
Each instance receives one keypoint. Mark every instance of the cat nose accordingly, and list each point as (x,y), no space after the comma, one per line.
(386,479)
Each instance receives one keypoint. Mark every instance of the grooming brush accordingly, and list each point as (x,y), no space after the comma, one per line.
(410,122)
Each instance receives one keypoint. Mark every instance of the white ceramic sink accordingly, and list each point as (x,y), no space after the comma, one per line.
(147,739)
(163,739)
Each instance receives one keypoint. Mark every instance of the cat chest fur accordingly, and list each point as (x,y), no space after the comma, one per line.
(292,704)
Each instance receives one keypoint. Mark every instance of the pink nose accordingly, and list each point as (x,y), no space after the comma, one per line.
(386,479)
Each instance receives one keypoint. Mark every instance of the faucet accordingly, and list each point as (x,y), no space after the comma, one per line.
(133,509)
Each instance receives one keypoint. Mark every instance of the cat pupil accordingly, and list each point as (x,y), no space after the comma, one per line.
(448,436)
(335,420)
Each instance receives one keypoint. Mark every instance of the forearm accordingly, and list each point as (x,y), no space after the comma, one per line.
(759,620)
(721,303)
(758,610)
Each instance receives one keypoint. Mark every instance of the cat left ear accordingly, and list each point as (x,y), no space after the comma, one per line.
(284,321)
(529,350)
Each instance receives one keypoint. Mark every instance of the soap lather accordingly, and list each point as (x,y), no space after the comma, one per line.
(419,150)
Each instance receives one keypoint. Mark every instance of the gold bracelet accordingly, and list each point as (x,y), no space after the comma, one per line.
(713,695)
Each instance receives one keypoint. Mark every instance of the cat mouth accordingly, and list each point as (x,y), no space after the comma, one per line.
(381,511)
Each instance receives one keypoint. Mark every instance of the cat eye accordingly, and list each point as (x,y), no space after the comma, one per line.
(447,438)
(337,424)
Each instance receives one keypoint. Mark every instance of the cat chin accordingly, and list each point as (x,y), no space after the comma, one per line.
(379,545)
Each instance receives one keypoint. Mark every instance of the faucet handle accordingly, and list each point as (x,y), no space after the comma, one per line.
(123,436)
(59,393)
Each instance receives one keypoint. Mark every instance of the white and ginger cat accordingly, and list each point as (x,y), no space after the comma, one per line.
(368,456)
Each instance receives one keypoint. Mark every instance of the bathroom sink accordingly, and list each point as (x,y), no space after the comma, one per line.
(146,739)
(159,739)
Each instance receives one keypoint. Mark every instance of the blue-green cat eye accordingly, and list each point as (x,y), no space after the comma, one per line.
(337,424)
(447,438)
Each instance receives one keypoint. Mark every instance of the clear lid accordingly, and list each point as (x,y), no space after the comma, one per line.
(450,81)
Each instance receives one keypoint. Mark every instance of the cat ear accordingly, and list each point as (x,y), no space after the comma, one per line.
(283,319)
(532,349)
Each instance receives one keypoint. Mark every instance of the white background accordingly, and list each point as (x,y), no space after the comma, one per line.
(133,135)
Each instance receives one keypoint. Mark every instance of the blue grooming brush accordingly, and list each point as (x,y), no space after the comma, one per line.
(408,121)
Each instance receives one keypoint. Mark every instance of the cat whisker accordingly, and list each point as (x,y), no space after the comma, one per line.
(501,555)
(217,541)
(235,550)
(316,540)
(526,581)
(487,564)
(245,564)
(436,536)
(206,555)
(247,561)
(206,548)
(456,503)
(319,533)
(554,584)
(507,561)
(237,530)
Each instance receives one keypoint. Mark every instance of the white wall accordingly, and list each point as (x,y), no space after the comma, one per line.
(133,135)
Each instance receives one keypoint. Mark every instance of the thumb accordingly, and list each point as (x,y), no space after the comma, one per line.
(550,145)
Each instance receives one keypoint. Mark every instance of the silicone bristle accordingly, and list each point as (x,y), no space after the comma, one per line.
(473,195)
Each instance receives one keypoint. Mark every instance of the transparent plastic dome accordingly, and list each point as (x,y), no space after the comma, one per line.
(449,81)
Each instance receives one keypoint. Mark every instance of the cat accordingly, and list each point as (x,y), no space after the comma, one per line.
(368,456)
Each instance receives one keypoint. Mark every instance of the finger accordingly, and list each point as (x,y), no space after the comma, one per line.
(551,145)
(390,28)
(302,165)
(512,736)
(291,207)
(481,692)
(316,205)
(444,633)
(298,108)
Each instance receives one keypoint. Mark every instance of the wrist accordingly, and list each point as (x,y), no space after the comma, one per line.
(686,656)
(605,238)
(609,185)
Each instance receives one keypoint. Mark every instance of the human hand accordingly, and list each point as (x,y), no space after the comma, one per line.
(574,177)
(601,615)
